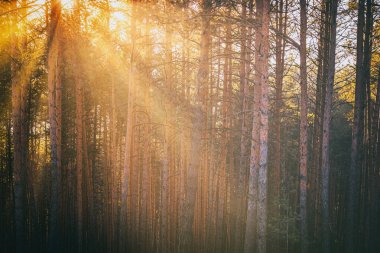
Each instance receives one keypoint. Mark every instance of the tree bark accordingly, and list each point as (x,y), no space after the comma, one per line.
(79,137)
(279,71)
(198,118)
(281,26)
(357,140)
(125,175)
(303,129)
(325,166)
(264,113)
(244,141)
(18,116)
(369,140)
(54,84)
(257,192)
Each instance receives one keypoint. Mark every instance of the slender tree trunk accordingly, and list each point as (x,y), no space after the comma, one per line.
(251,220)
(125,178)
(303,129)
(18,116)
(281,23)
(367,57)
(257,192)
(112,168)
(326,130)
(317,125)
(54,84)
(322,80)
(165,184)
(371,173)
(79,120)
(375,203)
(197,123)
(241,173)
(357,141)
(280,51)
(264,113)
(221,173)
(79,160)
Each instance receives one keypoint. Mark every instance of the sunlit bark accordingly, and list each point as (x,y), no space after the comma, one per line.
(142,126)
(257,193)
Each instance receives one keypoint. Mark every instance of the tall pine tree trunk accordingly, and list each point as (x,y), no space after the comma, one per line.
(257,192)
(124,218)
(264,114)
(198,112)
(303,128)
(281,26)
(357,140)
(18,116)
(79,137)
(325,164)
(54,84)
(244,90)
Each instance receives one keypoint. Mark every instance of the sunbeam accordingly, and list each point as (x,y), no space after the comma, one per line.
(183,126)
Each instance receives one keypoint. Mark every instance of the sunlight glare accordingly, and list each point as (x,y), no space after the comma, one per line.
(119,18)
(67,4)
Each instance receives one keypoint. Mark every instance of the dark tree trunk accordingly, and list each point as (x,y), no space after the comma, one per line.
(325,165)
(357,141)
(303,129)
(20,134)
(54,119)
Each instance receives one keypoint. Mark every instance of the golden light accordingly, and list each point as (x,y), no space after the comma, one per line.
(119,18)
(67,4)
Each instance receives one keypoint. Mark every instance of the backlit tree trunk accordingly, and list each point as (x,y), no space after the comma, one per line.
(54,84)
(79,136)
(197,123)
(18,116)
(244,141)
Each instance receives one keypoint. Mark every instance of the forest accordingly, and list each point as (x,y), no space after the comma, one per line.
(190,126)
